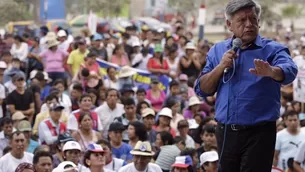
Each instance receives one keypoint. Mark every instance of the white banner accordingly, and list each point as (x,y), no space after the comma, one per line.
(202,16)
(92,22)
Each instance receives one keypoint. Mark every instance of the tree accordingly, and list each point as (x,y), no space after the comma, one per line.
(14,11)
(292,12)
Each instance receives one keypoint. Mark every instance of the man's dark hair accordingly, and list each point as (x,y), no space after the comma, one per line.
(129,101)
(78,87)
(40,154)
(179,139)
(290,113)
(59,81)
(188,151)
(85,72)
(112,89)
(173,83)
(104,142)
(166,137)
(51,97)
(141,90)
(208,129)
(6,120)
(11,136)
(84,96)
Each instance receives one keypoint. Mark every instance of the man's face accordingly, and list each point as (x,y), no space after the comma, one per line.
(73,156)
(7,129)
(86,103)
(141,162)
(44,164)
(149,121)
(292,122)
(82,46)
(130,109)
(244,24)
(208,138)
(174,90)
(141,97)
(19,83)
(55,115)
(116,136)
(112,97)
(18,143)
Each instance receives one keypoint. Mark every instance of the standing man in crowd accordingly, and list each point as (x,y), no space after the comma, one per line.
(247,81)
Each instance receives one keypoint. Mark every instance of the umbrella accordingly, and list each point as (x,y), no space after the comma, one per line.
(79,21)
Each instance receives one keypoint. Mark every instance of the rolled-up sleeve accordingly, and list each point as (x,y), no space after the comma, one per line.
(283,60)
(208,68)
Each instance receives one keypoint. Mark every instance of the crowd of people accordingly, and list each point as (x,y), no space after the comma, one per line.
(60,112)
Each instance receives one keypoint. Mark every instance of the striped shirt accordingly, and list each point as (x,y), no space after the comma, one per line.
(167,156)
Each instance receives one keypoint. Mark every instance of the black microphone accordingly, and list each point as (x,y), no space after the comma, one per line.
(236,45)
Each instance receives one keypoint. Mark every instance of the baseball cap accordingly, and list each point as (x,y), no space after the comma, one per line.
(116,126)
(183,77)
(183,161)
(24,126)
(97,37)
(210,156)
(18,75)
(166,112)
(95,148)
(158,48)
(56,107)
(65,166)
(18,116)
(148,111)
(71,145)
(65,137)
(154,80)
(142,149)
(3,65)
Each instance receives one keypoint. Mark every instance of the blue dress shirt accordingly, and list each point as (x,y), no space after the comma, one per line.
(248,99)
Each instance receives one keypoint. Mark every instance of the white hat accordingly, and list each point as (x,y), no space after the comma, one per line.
(126,71)
(62,167)
(142,149)
(3,65)
(166,112)
(61,33)
(46,77)
(148,111)
(190,46)
(136,44)
(52,43)
(33,74)
(71,145)
(194,101)
(210,156)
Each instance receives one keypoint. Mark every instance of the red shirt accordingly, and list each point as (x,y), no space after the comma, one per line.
(154,64)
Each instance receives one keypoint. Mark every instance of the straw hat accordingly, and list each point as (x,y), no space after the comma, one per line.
(52,43)
(142,149)
(126,71)
(194,101)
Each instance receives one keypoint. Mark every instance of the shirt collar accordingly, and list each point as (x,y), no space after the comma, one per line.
(257,42)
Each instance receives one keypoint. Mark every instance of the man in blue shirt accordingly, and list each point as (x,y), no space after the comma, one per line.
(248,94)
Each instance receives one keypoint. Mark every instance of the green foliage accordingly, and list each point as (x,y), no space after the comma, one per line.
(292,11)
(14,11)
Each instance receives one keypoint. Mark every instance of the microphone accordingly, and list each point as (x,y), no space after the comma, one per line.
(236,45)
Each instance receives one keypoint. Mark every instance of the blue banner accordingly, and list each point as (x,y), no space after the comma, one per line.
(141,78)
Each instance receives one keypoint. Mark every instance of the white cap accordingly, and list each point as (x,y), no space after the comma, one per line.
(190,46)
(3,65)
(61,33)
(166,112)
(71,145)
(136,44)
(194,100)
(210,156)
(62,165)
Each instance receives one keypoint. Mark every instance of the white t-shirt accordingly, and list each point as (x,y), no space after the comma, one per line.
(131,168)
(115,164)
(300,155)
(21,53)
(288,145)
(8,163)
(82,168)
(2,96)
(66,102)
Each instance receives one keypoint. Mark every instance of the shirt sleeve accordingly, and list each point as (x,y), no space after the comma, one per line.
(99,124)
(278,143)
(209,66)
(300,155)
(72,123)
(284,61)
(129,156)
(37,122)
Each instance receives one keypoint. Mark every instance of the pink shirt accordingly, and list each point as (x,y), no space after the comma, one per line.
(123,62)
(93,68)
(54,61)
(156,103)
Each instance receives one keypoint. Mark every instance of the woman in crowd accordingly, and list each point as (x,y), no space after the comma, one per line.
(157,65)
(141,106)
(53,60)
(193,108)
(174,104)
(190,64)
(119,56)
(183,164)
(112,80)
(163,123)
(173,62)
(63,98)
(155,95)
(85,135)
(19,49)
(94,95)
(94,158)
(136,132)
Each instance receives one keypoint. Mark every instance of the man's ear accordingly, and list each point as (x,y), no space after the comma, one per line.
(229,24)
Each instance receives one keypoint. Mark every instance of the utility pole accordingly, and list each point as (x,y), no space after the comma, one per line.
(36,4)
